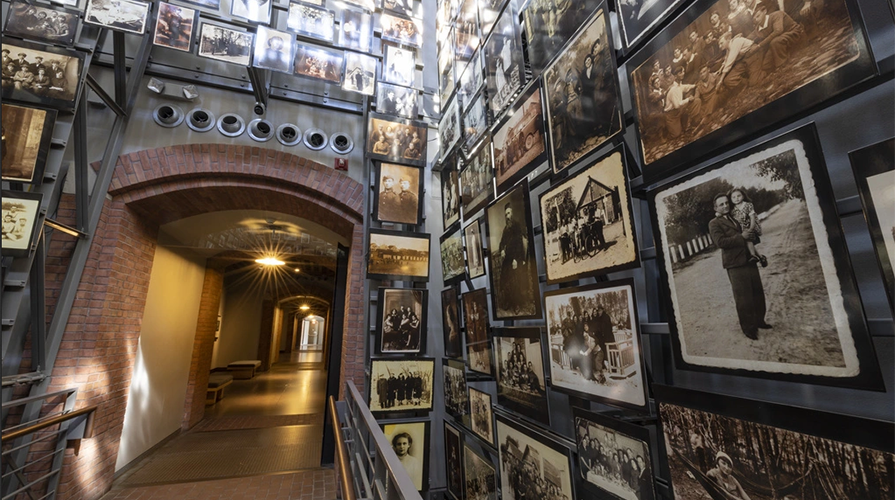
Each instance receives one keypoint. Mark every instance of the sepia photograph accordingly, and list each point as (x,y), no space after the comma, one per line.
(402,7)
(360,73)
(475,254)
(453,264)
(638,17)
(397,101)
(399,65)
(530,467)
(479,357)
(453,461)
(274,50)
(480,478)
(401,385)
(410,442)
(450,323)
(39,74)
(403,30)
(257,11)
(466,31)
(718,63)
(449,128)
(613,457)
(174,27)
(481,417)
(475,315)
(519,141)
(20,214)
(521,384)
(27,133)
(587,222)
(42,24)
(475,120)
(595,347)
(121,15)
(398,193)
(398,255)
(516,293)
(446,83)
(584,107)
(311,21)
(504,70)
(549,25)
(319,63)
(396,139)
(477,178)
(225,44)
(356,30)
(450,191)
(759,278)
(402,320)
(471,80)
(456,401)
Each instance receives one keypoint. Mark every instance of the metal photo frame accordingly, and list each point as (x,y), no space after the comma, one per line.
(311,21)
(481,415)
(356,30)
(274,50)
(256,11)
(519,141)
(398,65)
(479,475)
(504,70)
(450,191)
(453,264)
(417,467)
(396,201)
(41,23)
(397,140)
(549,26)
(396,100)
(453,460)
(175,27)
(359,73)
(416,399)
(520,372)
(456,399)
(450,321)
(225,44)
(515,441)
(318,63)
(401,30)
(477,178)
(475,253)
(129,16)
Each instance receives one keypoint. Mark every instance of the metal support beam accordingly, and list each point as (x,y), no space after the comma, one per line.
(39,305)
(81,183)
(260,79)
(120,55)
(101,92)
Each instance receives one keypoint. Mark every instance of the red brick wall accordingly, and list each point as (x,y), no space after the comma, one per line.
(203,347)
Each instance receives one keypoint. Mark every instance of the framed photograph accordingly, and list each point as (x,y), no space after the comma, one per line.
(453,265)
(121,15)
(42,24)
(456,401)
(528,459)
(397,101)
(755,447)
(450,192)
(521,384)
(402,30)
(475,315)
(397,139)
(550,25)
(519,142)
(475,254)
(755,239)
(225,44)
(472,80)
(614,457)
(311,21)
(212,5)
(27,133)
(588,223)
(256,11)
(874,168)
(475,120)
(514,271)
(466,31)
(480,478)
(174,27)
(453,460)
(446,83)
(481,416)
(584,106)
(20,213)
(398,193)
(637,18)
(595,350)
(356,30)
(368,5)
(695,109)
(401,320)
(489,10)
(399,64)
(504,71)
(401,385)
(449,128)
(274,50)
(321,63)
(40,74)
(479,356)
(450,322)
(410,441)
(398,255)
(447,11)
(402,7)
(477,178)
(360,73)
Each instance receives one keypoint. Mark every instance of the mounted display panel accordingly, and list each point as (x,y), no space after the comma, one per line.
(477,178)
(446,82)
(401,320)
(398,255)
(410,441)
(322,63)
(42,24)
(396,139)
(489,11)
(402,7)
(466,33)
(27,133)
(453,265)
(518,140)
(224,44)
(471,81)
(401,30)
(531,463)
(399,64)
(504,70)
(174,27)
(274,50)
(549,25)
(450,322)
(397,194)
(356,30)
(478,330)
(450,191)
(128,16)
(360,76)
(481,417)
(397,100)
(453,460)
(401,385)
(449,129)
(311,21)
(521,384)
(475,254)
(62,71)
(480,477)
(475,120)
(20,213)
(753,260)
(456,400)
(256,11)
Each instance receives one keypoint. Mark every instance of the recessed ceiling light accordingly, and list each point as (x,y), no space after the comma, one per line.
(270,261)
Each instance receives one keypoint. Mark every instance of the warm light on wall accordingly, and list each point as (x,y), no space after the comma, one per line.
(270,261)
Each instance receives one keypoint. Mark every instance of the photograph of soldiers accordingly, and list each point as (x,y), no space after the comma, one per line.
(394,253)
(319,62)
(456,402)
(520,372)
(397,101)
(123,15)
(26,131)
(549,24)
(450,319)
(402,326)
(400,30)
(401,385)
(449,128)
(475,258)
(311,21)
(477,178)
(398,194)
(274,50)
(480,415)
(529,468)
(395,139)
(174,27)
(611,461)
(43,24)
(355,30)
(450,191)
(360,73)
(225,44)
(518,140)
(453,456)
(503,55)
(410,442)
(38,76)
(453,265)
(480,476)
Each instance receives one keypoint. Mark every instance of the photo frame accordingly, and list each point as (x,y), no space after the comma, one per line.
(311,21)
(359,73)
(637,19)
(549,26)
(320,63)
(504,70)
(356,30)
(475,316)
(27,133)
(212,5)
(42,24)
(475,120)
(396,139)
(456,400)
(129,16)
(595,345)
(450,192)
(479,357)
(489,11)
(406,439)
(224,44)
(21,212)
(398,255)
(401,30)
(256,11)
(397,100)
(453,461)
(397,194)
(453,264)
(400,7)
(450,321)
(274,50)
(64,67)
(446,82)
(782,183)
(472,80)
(481,415)
(480,476)
(392,378)
(519,141)
(399,65)
(466,31)
(174,27)
(475,254)
(521,380)
(519,446)
(587,222)
(449,128)
(401,320)
(477,178)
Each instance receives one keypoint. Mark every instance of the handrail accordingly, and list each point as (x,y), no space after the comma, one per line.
(88,432)
(346,476)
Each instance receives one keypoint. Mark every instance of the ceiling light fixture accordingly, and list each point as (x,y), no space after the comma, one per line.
(305,307)
(270,261)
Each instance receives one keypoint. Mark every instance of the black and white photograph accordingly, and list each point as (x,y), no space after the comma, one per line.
(475,254)
(488,12)
(398,255)
(42,24)
(456,401)
(466,31)
(121,15)
(356,30)
(752,253)
(27,133)
(530,467)
(638,17)
(475,315)
(519,141)
(874,169)
(399,65)
(256,11)
(401,385)
(587,222)
(521,384)
(402,320)
(475,120)
(174,27)
(453,264)
(360,73)
(311,21)
(725,447)
(549,25)
(450,191)
(584,107)
(212,5)
(398,194)
(447,11)
(481,416)
(397,101)
(514,271)
(595,347)
(480,478)
(319,63)
(479,357)
(402,7)
(410,442)
(225,44)
(613,457)
(367,5)
(446,81)
(403,30)
(477,178)
(504,71)
(471,80)
(20,213)
(687,88)
(453,461)
(274,50)
(39,74)
(396,139)
(450,322)
(449,128)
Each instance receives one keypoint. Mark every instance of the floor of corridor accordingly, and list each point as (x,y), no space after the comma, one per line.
(262,441)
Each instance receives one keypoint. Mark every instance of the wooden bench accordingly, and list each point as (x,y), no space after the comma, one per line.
(244,369)
(216,384)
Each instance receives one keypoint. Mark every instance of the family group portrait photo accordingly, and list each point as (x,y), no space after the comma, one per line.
(311,21)
(530,468)
(319,63)
(453,264)
(35,73)
(521,385)
(20,212)
(34,22)
(397,140)
(456,402)
(401,385)
(480,476)
(402,320)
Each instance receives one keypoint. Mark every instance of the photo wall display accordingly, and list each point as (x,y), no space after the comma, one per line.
(57,26)
(446,82)
(453,264)
(401,320)
(450,321)
(401,30)
(456,400)
(21,211)
(356,30)
(324,63)
(129,16)
(274,50)
(256,11)
(479,476)
(398,255)
(397,100)
(225,44)
(504,70)
(521,384)
(360,74)
(397,194)
(519,143)
(474,120)
(399,64)
(174,27)
(39,74)
(401,385)
(453,460)
(410,442)
(475,254)
(395,139)
(311,21)
(27,133)
(477,178)
(449,128)
(549,25)
(481,416)
(532,466)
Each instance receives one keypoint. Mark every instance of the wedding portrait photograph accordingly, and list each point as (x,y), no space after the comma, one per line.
(402,320)
(356,30)
(521,384)
(43,24)
(20,213)
(530,467)
(225,44)
(398,255)
(475,254)
(410,442)
(481,417)
(274,50)
(519,142)
(174,27)
(477,178)
(27,133)
(456,401)
(450,323)
(319,63)
(453,461)
(397,193)
(397,100)
(401,385)
(504,71)
(360,73)
(453,264)
(311,21)
(549,25)
(396,139)
(122,15)
(450,191)
(40,74)
(480,478)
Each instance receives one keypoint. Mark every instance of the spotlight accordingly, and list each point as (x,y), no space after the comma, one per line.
(156,85)
(270,261)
